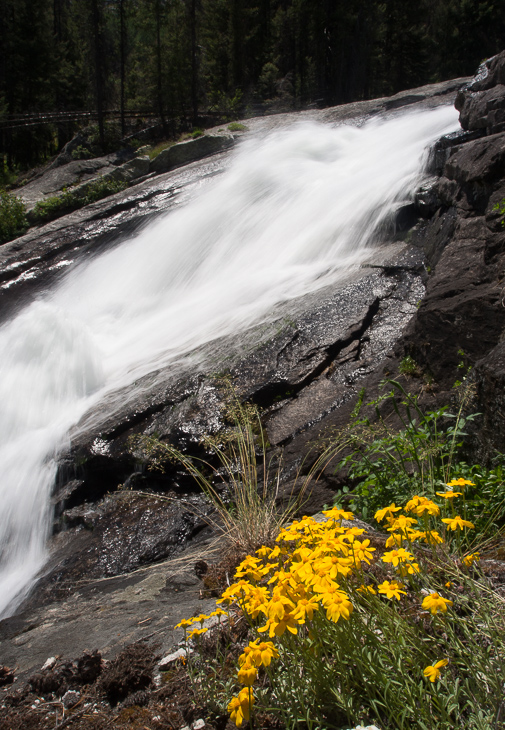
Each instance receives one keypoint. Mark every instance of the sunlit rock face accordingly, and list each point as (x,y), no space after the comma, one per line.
(271,265)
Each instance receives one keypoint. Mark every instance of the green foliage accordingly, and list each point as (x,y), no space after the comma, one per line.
(500,207)
(81,153)
(170,58)
(8,176)
(408,366)
(237,127)
(112,138)
(227,106)
(391,465)
(153,152)
(12,217)
(66,202)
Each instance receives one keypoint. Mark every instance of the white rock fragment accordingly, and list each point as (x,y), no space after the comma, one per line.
(170,658)
(49,663)
(198,724)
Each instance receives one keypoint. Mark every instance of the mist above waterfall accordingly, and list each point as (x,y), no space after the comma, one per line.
(294,211)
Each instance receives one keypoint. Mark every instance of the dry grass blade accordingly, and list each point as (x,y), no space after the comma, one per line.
(243,487)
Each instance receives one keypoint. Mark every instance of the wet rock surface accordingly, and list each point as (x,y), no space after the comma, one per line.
(462,314)
(36,260)
(304,368)
(109,614)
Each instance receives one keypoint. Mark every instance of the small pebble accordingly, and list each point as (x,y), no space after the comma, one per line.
(49,663)
(198,724)
(71,698)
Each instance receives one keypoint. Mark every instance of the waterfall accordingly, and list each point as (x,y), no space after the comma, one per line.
(292,212)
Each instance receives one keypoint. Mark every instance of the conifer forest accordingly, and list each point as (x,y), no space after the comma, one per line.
(126,65)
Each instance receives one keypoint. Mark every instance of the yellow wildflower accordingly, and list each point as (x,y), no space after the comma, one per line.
(433,672)
(449,494)
(305,608)
(278,605)
(240,706)
(402,524)
(247,673)
(338,514)
(408,569)
(457,523)
(460,483)
(362,551)
(185,623)
(197,632)
(386,512)
(395,557)
(366,589)
(337,604)
(436,603)
(395,539)
(259,653)
(391,589)
(432,537)
(241,589)
(420,505)
(276,627)
(257,601)
(263,552)
(469,560)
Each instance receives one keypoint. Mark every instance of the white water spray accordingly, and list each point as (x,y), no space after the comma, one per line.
(293,212)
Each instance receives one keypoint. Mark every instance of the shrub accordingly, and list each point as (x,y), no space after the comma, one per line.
(69,200)
(81,153)
(387,464)
(401,629)
(13,221)
(237,127)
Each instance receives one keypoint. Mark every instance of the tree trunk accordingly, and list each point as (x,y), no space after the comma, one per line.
(194,61)
(159,83)
(122,51)
(96,23)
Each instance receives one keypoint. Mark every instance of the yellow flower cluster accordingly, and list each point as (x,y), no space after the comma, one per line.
(287,583)
(187,622)
(315,567)
(402,527)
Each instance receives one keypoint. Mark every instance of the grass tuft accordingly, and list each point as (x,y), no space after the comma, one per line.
(241,483)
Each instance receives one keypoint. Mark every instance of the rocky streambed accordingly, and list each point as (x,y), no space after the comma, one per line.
(122,563)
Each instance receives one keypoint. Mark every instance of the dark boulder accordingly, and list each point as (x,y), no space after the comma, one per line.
(482,102)
(462,314)
(489,378)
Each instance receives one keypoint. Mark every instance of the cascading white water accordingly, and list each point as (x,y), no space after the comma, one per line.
(293,211)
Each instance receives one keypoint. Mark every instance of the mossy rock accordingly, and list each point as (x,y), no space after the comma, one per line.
(189,151)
